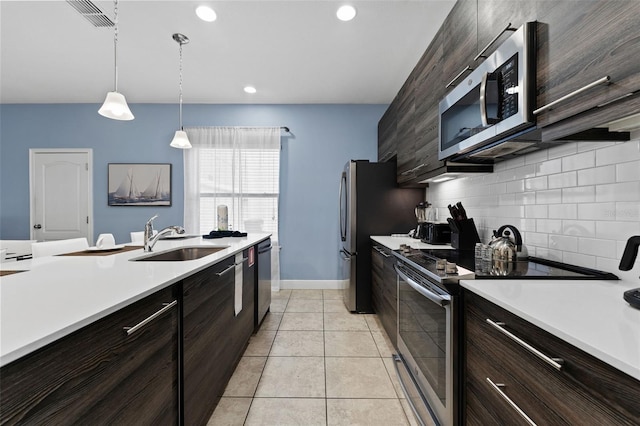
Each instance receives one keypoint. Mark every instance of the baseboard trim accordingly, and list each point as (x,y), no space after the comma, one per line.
(313,284)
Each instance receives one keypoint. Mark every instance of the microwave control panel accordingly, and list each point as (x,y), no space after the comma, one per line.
(507,76)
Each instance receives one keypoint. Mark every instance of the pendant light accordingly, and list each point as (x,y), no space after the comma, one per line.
(180,139)
(115,105)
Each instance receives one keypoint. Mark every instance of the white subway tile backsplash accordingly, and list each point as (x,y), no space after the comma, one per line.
(563,180)
(597,247)
(549,167)
(628,211)
(515,186)
(583,160)
(563,149)
(577,202)
(623,191)
(597,211)
(618,153)
(627,172)
(563,242)
(579,194)
(549,226)
(536,184)
(563,211)
(552,196)
(536,212)
(620,231)
(597,175)
(581,228)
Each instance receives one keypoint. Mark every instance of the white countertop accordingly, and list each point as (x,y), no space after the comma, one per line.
(393,243)
(589,314)
(61,294)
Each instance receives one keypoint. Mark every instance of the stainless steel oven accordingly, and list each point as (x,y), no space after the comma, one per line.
(429,356)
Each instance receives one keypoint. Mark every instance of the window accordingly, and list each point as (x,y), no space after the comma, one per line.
(236,167)
(246,180)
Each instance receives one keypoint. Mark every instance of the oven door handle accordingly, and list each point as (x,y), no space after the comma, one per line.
(436,298)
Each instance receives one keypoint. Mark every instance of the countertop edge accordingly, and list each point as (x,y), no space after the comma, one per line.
(42,341)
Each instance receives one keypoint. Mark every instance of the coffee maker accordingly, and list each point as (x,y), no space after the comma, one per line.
(422,214)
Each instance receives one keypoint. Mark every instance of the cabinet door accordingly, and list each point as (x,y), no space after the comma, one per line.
(99,374)
(496,15)
(460,40)
(580,42)
(428,92)
(589,388)
(387,134)
(406,130)
(208,315)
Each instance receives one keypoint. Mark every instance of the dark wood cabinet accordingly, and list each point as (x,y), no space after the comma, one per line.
(405,130)
(384,290)
(214,336)
(387,134)
(497,367)
(580,43)
(100,374)
(494,16)
(460,41)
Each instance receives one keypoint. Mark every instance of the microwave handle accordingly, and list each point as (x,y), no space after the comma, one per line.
(483,99)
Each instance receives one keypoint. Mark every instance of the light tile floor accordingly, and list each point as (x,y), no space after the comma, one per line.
(314,363)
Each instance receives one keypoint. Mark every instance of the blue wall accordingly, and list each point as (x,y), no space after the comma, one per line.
(324,138)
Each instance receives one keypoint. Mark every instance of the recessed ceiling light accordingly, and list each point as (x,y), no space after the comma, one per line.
(250,89)
(206,13)
(346,13)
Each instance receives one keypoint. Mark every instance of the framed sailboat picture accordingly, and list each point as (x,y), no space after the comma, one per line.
(139,184)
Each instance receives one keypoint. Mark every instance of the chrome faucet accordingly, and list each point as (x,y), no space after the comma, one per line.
(150,239)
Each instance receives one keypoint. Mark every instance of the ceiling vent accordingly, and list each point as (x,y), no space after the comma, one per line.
(91,12)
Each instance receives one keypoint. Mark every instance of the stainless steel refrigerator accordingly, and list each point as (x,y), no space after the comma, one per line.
(370,204)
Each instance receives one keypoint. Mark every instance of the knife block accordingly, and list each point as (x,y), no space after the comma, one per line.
(465,236)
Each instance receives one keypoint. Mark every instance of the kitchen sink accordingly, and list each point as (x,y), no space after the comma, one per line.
(180,254)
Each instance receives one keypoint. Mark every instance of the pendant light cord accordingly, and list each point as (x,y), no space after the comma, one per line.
(180,85)
(115,45)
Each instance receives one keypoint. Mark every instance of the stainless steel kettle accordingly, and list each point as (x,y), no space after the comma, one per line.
(504,249)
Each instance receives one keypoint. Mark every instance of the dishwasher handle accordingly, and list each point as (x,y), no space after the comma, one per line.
(442,300)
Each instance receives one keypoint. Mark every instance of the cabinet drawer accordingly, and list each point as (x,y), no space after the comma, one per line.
(584,386)
(99,374)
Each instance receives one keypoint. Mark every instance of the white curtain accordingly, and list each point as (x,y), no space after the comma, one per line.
(237,167)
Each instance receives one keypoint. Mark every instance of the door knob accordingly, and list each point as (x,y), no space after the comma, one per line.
(38,226)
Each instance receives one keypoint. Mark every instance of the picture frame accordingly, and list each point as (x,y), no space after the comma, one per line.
(139,184)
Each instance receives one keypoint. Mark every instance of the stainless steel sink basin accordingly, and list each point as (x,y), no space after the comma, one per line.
(180,254)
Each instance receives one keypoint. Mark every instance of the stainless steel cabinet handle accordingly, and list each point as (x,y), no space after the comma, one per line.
(265,249)
(230,268)
(550,105)
(138,326)
(451,83)
(496,387)
(436,298)
(481,54)
(244,259)
(379,250)
(554,362)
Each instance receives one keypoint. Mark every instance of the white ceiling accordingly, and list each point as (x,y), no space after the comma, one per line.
(292,51)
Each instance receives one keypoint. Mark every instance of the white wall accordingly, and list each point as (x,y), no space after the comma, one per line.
(577,203)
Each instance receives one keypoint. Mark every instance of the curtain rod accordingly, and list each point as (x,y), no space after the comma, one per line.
(285,128)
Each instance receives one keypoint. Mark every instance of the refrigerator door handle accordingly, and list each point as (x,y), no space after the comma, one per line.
(343,219)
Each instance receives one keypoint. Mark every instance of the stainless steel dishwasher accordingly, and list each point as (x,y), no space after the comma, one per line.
(263,293)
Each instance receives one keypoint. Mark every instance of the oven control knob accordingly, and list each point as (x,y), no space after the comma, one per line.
(451,268)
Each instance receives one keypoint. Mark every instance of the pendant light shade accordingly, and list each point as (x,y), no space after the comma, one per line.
(115,105)
(180,139)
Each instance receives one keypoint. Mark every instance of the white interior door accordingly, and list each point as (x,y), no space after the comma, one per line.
(61,194)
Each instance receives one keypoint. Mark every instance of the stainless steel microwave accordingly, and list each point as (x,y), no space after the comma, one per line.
(494,101)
